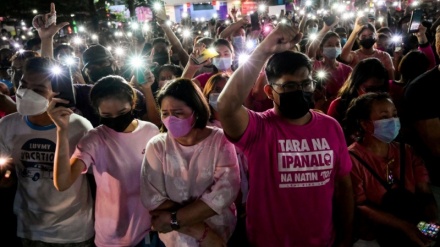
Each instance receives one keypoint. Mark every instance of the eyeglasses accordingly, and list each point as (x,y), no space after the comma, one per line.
(292,86)
(11,71)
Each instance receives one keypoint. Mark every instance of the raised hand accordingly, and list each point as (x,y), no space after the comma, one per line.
(46,24)
(282,38)
(60,115)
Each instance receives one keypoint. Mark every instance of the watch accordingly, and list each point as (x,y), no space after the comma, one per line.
(174,223)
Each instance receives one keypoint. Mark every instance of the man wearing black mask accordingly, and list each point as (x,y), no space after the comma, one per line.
(161,51)
(98,63)
(365,34)
(287,180)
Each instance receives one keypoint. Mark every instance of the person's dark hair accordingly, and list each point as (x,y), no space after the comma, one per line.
(370,68)
(360,110)
(176,70)
(412,65)
(112,86)
(385,30)
(160,40)
(365,27)
(210,85)
(24,55)
(187,91)
(32,42)
(311,21)
(206,41)
(146,50)
(327,36)
(286,63)
(223,42)
(41,65)
(61,47)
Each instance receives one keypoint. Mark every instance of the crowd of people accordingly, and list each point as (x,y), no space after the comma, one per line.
(304,130)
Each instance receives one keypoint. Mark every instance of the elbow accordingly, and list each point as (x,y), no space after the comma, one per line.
(60,186)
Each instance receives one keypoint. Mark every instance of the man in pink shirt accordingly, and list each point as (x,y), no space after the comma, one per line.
(299,167)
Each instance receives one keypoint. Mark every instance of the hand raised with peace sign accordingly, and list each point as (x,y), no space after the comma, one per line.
(46,24)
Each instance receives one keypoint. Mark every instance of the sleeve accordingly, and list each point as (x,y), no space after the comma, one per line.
(332,109)
(387,61)
(418,166)
(427,50)
(249,136)
(87,149)
(226,179)
(153,191)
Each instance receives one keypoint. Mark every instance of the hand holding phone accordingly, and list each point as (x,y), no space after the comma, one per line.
(255,21)
(416,20)
(329,20)
(205,55)
(62,83)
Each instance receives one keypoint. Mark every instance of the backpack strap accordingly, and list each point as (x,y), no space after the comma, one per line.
(402,164)
(373,172)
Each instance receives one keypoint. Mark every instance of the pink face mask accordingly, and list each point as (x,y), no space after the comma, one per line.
(178,127)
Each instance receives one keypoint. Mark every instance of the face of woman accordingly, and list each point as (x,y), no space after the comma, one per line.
(219,86)
(113,107)
(223,51)
(384,124)
(383,110)
(332,42)
(164,76)
(171,106)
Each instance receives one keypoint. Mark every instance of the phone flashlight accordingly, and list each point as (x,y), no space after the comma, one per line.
(321,74)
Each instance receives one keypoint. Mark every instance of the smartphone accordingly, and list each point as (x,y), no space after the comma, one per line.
(416,20)
(397,43)
(329,19)
(428,229)
(62,83)
(161,14)
(140,75)
(255,22)
(206,54)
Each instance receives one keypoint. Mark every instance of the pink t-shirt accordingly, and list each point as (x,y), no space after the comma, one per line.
(336,79)
(207,171)
(116,158)
(384,57)
(292,172)
(203,78)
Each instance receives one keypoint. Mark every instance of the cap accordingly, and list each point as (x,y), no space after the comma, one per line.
(371,16)
(96,53)
(340,30)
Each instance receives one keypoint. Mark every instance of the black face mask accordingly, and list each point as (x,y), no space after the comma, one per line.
(294,105)
(119,123)
(367,43)
(161,58)
(97,74)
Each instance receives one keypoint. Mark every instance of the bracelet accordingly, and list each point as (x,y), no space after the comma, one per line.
(205,233)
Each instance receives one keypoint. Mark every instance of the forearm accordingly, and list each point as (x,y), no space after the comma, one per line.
(314,45)
(47,47)
(152,112)
(189,71)
(302,23)
(344,211)
(381,217)
(225,34)
(346,50)
(194,213)
(175,43)
(62,168)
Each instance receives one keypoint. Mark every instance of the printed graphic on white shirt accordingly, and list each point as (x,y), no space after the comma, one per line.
(304,163)
(37,156)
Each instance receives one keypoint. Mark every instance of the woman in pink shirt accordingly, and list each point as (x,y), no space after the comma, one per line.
(114,151)
(330,72)
(378,166)
(190,175)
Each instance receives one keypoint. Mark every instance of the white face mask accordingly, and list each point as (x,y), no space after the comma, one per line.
(312,30)
(222,63)
(29,103)
(238,42)
(213,97)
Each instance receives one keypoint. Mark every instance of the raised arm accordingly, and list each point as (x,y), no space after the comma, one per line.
(346,50)
(175,43)
(65,172)
(225,34)
(313,47)
(233,115)
(46,33)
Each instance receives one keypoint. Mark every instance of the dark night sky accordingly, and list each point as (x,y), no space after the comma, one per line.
(23,8)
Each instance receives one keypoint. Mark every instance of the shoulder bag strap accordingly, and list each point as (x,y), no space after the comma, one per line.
(374,173)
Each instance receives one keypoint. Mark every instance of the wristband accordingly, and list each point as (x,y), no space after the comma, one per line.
(205,233)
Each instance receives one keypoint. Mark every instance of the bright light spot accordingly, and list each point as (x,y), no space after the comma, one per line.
(380,19)
(119,51)
(109,23)
(56,70)
(360,13)
(346,16)
(275,22)
(24,28)
(250,44)
(134,25)
(157,6)
(4,38)
(81,29)
(129,34)
(94,36)
(243,58)
(321,74)
(169,23)
(302,12)
(179,30)
(21,51)
(185,15)
(335,6)
(3,161)
(197,19)
(206,33)
(283,21)
(200,32)
(341,8)
(227,22)
(136,62)
(395,4)
(324,12)
(22,23)
(23,37)
(380,3)
(396,39)
(266,29)
(215,15)
(262,7)
(145,27)
(72,15)
(16,45)
(313,36)
(77,40)
(308,3)
(313,17)
(34,11)
(30,33)
(371,10)
(109,48)
(415,3)
(202,19)
(186,33)
(69,60)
